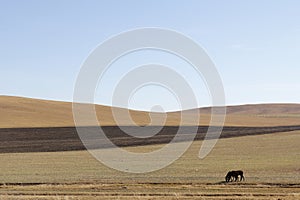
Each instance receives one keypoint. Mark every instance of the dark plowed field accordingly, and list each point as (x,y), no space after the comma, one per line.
(67,139)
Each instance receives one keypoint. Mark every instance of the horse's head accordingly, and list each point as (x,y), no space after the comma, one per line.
(228,176)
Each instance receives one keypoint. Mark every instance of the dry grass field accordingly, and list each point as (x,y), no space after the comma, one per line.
(40,163)
(271,164)
(165,191)
(16,112)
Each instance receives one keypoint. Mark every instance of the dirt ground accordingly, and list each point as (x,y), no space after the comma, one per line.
(151,191)
(20,140)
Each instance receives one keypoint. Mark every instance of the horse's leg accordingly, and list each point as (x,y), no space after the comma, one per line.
(236,178)
(229,178)
(242,178)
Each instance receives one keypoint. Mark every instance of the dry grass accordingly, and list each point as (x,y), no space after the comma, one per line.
(264,158)
(270,162)
(25,112)
(151,191)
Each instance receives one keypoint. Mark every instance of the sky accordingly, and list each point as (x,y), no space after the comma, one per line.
(255,46)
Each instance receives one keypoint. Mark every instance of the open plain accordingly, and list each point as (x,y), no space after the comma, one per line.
(51,163)
(270,162)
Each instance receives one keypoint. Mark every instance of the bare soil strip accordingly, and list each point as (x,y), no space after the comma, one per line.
(18,140)
(151,191)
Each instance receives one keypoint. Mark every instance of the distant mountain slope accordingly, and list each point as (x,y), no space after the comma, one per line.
(27,112)
(265,109)
(260,109)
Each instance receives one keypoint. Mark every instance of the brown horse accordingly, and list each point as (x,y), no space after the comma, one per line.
(234,176)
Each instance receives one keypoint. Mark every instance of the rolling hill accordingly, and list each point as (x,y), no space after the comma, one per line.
(20,112)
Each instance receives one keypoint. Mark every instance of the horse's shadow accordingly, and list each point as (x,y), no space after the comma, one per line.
(221,183)
(227,183)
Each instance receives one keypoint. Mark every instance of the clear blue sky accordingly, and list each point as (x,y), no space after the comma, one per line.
(255,44)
